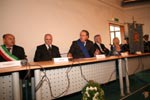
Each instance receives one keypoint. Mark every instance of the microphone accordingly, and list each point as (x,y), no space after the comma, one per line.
(24,62)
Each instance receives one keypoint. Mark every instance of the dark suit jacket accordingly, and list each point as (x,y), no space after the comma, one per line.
(125,48)
(106,51)
(77,52)
(114,52)
(16,51)
(42,53)
(146,46)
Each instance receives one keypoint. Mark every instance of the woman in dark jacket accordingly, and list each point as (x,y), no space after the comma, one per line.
(116,48)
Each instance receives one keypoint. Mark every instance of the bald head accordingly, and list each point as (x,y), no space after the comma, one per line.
(9,40)
(48,39)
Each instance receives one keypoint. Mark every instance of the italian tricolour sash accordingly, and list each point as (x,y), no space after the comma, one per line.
(83,49)
(6,54)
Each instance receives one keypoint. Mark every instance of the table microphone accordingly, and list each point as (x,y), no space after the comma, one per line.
(24,62)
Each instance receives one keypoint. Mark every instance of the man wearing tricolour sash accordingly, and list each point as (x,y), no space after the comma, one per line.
(9,51)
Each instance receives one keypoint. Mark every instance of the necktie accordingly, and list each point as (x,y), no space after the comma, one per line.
(50,52)
(49,48)
(9,49)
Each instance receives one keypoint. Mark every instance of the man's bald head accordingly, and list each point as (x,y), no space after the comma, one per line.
(48,39)
(9,39)
(8,34)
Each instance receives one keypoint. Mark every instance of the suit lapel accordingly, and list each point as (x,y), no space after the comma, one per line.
(98,47)
(13,50)
(102,46)
(45,49)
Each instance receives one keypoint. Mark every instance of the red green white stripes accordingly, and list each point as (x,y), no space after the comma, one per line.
(6,54)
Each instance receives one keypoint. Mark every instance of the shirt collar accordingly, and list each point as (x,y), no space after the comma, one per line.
(47,46)
(84,43)
(98,44)
(8,47)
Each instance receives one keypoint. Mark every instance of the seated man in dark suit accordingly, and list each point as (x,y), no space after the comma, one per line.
(47,51)
(9,51)
(146,43)
(125,47)
(82,48)
(100,46)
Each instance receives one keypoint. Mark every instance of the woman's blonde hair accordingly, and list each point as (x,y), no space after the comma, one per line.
(116,41)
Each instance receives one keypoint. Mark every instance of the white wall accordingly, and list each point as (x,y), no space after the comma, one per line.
(29,20)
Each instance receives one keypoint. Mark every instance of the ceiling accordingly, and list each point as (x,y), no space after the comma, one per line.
(125,3)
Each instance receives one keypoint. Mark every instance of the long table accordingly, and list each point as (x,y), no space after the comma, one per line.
(98,70)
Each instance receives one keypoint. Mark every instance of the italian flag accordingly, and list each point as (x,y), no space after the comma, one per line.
(6,54)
